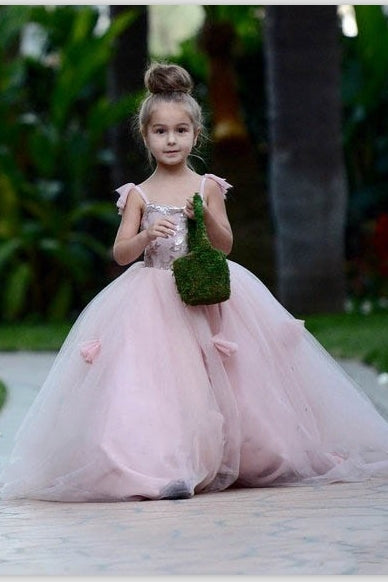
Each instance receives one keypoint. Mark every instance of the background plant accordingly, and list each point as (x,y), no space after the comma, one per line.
(365,136)
(56,222)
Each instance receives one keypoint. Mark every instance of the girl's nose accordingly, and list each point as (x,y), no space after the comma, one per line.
(171,137)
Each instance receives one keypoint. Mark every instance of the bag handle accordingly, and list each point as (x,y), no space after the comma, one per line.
(197,234)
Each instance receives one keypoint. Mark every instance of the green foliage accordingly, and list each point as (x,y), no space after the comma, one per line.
(365,99)
(365,115)
(371,49)
(55,224)
(245,19)
(3,394)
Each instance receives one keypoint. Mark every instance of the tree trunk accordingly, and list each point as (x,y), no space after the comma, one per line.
(307,175)
(125,76)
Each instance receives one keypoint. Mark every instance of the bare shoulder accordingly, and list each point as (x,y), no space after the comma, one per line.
(134,205)
(214,198)
(213,192)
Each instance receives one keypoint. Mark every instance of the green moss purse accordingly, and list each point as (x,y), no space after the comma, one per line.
(202,276)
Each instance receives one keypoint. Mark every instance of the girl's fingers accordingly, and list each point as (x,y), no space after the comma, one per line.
(189,212)
(165,228)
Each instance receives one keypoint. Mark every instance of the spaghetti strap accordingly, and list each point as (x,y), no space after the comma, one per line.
(202,187)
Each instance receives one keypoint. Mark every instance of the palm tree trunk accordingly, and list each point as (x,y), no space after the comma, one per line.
(307,176)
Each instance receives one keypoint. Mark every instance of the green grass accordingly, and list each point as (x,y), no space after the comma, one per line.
(354,335)
(3,393)
(33,337)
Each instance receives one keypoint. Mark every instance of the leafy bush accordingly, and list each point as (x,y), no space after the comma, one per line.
(365,114)
(56,222)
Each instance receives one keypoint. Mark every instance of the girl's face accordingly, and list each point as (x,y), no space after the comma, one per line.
(170,134)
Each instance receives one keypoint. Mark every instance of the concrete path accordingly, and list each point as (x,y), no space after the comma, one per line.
(337,529)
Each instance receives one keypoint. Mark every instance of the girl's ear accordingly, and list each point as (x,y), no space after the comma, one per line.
(196,134)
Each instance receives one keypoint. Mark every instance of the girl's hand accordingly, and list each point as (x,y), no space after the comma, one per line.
(163,227)
(189,208)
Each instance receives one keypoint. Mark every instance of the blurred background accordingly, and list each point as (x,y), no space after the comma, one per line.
(296,107)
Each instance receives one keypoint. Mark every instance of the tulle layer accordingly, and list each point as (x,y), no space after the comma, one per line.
(149,398)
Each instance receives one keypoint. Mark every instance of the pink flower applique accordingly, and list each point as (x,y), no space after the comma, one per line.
(90,350)
(226,347)
(338,457)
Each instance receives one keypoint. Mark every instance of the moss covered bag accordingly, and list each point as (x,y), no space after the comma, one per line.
(202,276)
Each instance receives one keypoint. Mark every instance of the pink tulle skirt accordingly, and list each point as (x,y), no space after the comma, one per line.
(149,398)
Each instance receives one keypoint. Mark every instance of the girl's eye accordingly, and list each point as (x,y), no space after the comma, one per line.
(182,129)
(159,130)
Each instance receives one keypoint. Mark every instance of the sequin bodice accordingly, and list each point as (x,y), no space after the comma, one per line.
(161,252)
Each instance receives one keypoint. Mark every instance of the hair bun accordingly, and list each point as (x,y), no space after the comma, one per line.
(164,78)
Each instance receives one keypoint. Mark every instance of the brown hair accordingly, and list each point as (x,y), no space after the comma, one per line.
(168,82)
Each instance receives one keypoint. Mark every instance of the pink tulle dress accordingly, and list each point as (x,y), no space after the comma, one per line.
(150,399)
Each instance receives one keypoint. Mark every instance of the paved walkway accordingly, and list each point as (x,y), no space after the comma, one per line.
(333,530)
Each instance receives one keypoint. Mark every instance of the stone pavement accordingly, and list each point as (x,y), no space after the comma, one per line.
(330,530)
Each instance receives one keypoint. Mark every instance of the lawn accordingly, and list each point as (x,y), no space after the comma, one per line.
(33,337)
(354,335)
(346,335)
(3,393)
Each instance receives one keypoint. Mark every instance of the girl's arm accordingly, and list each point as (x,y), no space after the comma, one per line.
(216,218)
(130,243)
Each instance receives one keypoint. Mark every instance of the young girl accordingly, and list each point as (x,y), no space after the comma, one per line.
(151,399)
